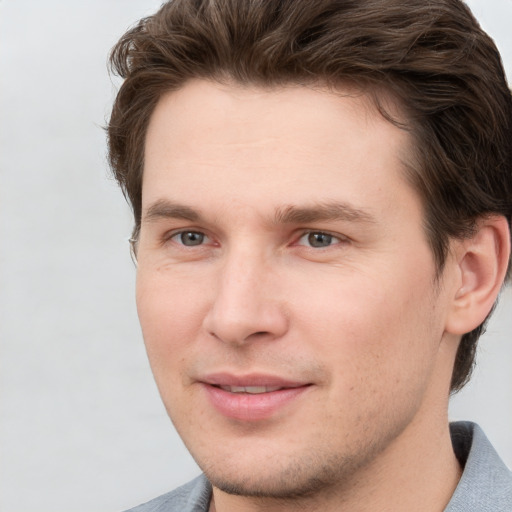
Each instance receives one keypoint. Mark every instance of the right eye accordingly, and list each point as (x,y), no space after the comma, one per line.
(189,238)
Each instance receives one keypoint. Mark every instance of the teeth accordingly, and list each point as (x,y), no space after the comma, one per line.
(259,389)
(254,390)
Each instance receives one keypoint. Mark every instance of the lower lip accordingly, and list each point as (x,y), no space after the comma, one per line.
(252,407)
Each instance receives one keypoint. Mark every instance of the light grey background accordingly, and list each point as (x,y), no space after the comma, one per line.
(81,425)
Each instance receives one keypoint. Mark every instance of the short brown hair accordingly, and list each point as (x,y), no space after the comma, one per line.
(431,55)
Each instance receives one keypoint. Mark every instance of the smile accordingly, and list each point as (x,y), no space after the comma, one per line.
(252,398)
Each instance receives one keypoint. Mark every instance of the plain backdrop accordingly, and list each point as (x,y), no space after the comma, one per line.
(81,424)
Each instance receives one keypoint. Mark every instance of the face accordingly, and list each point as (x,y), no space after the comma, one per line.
(285,286)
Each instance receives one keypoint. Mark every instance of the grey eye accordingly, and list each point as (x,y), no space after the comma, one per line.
(319,239)
(190,238)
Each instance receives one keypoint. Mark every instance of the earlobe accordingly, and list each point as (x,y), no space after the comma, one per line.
(482,262)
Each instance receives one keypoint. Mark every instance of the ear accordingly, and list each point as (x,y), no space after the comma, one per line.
(481,262)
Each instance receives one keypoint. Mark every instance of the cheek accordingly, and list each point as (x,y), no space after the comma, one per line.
(171,313)
(375,328)
(170,316)
(380,352)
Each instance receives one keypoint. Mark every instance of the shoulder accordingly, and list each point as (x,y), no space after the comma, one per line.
(486,483)
(191,497)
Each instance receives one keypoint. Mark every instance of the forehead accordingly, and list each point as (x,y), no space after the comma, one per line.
(301,142)
(202,105)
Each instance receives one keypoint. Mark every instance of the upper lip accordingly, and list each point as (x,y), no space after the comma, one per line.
(250,380)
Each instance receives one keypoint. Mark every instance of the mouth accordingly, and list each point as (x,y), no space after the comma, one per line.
(252,398)
(252,390)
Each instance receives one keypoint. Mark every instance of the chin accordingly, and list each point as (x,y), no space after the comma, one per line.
(301,477)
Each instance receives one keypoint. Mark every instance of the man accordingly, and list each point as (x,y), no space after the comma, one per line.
(322,194)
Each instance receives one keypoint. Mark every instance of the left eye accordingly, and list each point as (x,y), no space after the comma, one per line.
(190,238)
(318,239)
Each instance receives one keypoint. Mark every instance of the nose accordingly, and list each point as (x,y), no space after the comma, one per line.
(245,304)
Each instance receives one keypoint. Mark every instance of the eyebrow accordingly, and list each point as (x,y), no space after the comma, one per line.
(291,214)
(331,211)
(163,209)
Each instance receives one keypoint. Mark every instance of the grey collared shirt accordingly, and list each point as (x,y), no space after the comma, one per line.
(486,483)
(485,486)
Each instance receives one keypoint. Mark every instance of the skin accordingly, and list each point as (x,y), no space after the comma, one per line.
(355,313)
